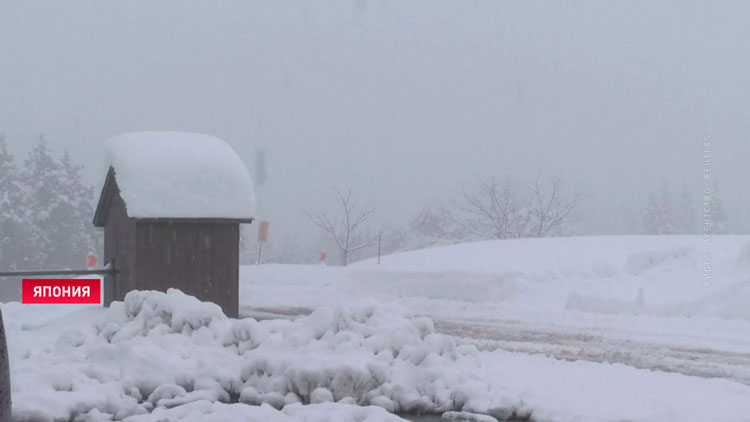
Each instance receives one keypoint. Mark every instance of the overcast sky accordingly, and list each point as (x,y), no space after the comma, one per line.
(403,101)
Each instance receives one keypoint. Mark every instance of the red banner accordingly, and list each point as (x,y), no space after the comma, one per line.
(61,290)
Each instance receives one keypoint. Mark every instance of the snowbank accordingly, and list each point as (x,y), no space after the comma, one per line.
(643,275)
(160,356)
(577,280)
(180,175)
(155,352)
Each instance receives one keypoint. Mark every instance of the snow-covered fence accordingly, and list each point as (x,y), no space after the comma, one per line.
(34,273)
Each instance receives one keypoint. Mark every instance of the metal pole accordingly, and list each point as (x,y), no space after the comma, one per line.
(260,250)
(379,235)
(56,272)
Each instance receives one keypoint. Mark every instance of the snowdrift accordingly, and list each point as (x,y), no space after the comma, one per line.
(645,275)
(159,355)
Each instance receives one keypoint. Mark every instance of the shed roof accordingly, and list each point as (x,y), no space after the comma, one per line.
(177,175)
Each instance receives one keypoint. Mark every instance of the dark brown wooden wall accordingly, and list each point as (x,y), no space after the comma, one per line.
(119,243)
(201,259)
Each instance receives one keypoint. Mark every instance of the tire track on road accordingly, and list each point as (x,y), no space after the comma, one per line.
(595,346)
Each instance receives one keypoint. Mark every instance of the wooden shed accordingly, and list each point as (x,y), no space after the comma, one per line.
(171,208)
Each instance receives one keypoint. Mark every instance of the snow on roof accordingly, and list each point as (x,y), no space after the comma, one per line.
(180,175)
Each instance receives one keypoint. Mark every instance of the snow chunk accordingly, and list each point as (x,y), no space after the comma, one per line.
(166,391)
(180,175)
(384,402)
(150,312)
(467,417)
(321,395)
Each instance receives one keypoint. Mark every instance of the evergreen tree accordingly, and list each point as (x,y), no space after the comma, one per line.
(666,209)
(14,218)
(43,176)
(651,222)
(73,234)
(718,213)
(60,207)
(660,215)
(687,218)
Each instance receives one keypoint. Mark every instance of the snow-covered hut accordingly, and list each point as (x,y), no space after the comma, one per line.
(171,209)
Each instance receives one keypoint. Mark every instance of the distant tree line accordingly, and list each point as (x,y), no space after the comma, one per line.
(492,208)
(683,215)
(45,211)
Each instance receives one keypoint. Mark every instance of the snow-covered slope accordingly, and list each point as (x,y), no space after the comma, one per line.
(662,275)
(633,275)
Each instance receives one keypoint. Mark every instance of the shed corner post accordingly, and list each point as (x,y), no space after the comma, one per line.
(110,283)
(5,401)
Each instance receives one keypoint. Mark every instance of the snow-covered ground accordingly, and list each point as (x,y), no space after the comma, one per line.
(160,356)
(620,306)
(574,329)
(633,275)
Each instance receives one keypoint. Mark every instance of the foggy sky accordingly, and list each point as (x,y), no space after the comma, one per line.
(403,101)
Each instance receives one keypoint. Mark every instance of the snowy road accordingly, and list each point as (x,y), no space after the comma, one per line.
(598,345)
(594,344)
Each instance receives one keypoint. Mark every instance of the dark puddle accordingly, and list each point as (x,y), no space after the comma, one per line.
(421,418)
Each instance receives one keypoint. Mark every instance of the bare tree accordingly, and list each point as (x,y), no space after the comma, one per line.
(554,210)
(506,209)
(494,210)
(345,229)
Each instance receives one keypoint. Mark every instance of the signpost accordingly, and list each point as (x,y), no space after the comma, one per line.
(262,237)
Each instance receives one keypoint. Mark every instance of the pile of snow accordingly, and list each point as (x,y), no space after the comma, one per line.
(180,175)
(160,356)
(156,353)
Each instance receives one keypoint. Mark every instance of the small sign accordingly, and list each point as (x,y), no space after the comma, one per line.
(61,290)
(91,261)
(322,257)
(263,231)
